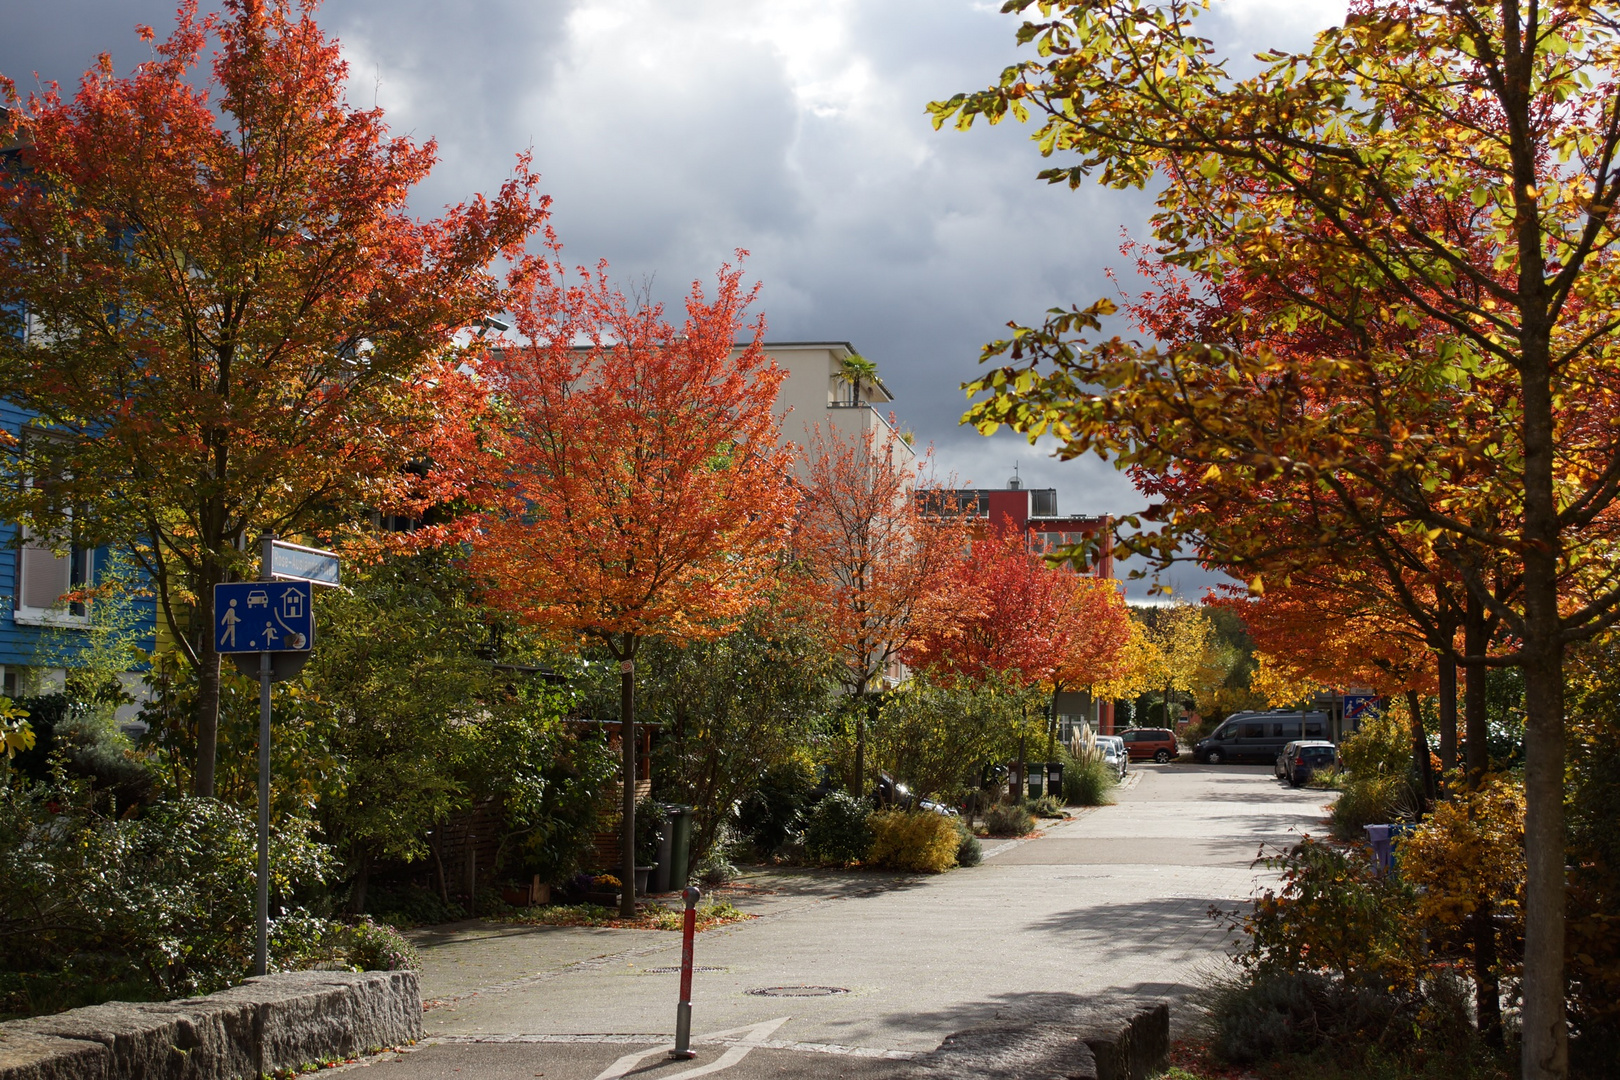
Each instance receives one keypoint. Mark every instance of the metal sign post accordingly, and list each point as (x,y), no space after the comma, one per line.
(275,619)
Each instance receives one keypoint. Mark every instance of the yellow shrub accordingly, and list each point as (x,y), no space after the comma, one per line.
(920,842)
(1469,853)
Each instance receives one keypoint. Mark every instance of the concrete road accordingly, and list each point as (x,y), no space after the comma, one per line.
(844,974)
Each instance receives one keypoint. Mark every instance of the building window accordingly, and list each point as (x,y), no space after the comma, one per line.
(50,567)
(44,576)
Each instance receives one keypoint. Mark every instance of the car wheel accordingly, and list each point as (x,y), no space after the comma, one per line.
(1215,757)
(1162,757)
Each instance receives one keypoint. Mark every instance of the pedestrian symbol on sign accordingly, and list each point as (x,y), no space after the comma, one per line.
(229,619)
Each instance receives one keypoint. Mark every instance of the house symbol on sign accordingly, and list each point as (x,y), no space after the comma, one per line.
(292,604)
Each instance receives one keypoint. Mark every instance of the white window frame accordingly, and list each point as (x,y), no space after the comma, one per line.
(58,614)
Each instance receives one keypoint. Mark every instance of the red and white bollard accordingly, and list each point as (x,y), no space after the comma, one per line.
(683,1010)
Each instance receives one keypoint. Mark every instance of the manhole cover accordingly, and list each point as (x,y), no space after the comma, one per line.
(798,991)
(677,971)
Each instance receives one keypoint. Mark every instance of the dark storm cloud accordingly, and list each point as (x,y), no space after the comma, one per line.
(671,134)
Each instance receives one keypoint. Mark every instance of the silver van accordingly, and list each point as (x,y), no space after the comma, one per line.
(1259,736)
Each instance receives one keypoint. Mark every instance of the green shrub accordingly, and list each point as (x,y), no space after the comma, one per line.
(1009,819)
(1089,782)
(1371,800)
(1336,962)
(1048,806)
(772,815)
(165,899)
(1297,1012)
(1382,747)
(372,946)
(922,842)
(968,850)
(837,833)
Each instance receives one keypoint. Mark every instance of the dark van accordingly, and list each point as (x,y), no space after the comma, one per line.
(1259,736)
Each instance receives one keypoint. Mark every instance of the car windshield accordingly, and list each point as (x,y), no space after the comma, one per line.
(1318,753)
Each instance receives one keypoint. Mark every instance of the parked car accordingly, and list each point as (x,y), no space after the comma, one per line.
(1113,751)
(1307,757)
(1280,768)
(1259,736)
(1158,744)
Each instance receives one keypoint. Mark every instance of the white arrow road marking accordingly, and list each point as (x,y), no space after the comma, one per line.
(752,1036)
(630,1061)
(756,1035)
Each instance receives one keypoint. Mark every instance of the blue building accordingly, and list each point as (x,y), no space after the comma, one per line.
(40,632)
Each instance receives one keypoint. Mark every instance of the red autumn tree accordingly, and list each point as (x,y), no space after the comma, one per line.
(640,486)
(1039,623)
(220,310)
(872,560)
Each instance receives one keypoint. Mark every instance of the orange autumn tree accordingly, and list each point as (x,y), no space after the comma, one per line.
(639,486)
(1094,638)
(872,559)
(1340,631)
(222,314)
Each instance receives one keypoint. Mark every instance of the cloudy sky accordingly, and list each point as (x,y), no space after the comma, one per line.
(671,132)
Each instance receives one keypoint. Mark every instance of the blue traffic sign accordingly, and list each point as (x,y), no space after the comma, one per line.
(263,616)
(1360,706)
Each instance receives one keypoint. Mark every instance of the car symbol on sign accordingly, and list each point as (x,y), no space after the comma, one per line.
(258,598)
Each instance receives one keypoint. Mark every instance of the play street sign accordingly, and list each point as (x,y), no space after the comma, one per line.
(263,616)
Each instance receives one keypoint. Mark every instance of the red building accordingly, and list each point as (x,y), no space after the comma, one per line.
(1033,512)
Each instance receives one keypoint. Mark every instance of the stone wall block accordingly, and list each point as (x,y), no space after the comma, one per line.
(1130,1042)
(26,1056)
(273,1022)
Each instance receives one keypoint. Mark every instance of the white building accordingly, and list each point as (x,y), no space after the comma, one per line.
(817,392)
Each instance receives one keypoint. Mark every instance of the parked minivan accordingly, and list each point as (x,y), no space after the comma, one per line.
(1259,736)
(1159,744)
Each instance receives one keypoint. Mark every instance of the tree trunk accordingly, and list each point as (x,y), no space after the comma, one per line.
(1476,748)
(858,788)
(1420,750)
(207,716)
(1544,1052)
(1448,715)
(437,847)
(207,682)
(362,881)
(627,734)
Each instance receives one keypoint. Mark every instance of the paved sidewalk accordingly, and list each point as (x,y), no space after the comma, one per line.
(863,968)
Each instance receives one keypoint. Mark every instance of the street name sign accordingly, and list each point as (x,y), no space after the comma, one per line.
(264,616)
(301,563)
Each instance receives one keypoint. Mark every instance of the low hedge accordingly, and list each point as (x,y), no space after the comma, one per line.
(915,842)
(1009,819)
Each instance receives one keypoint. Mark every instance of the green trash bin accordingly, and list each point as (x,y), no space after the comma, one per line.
(680,853)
